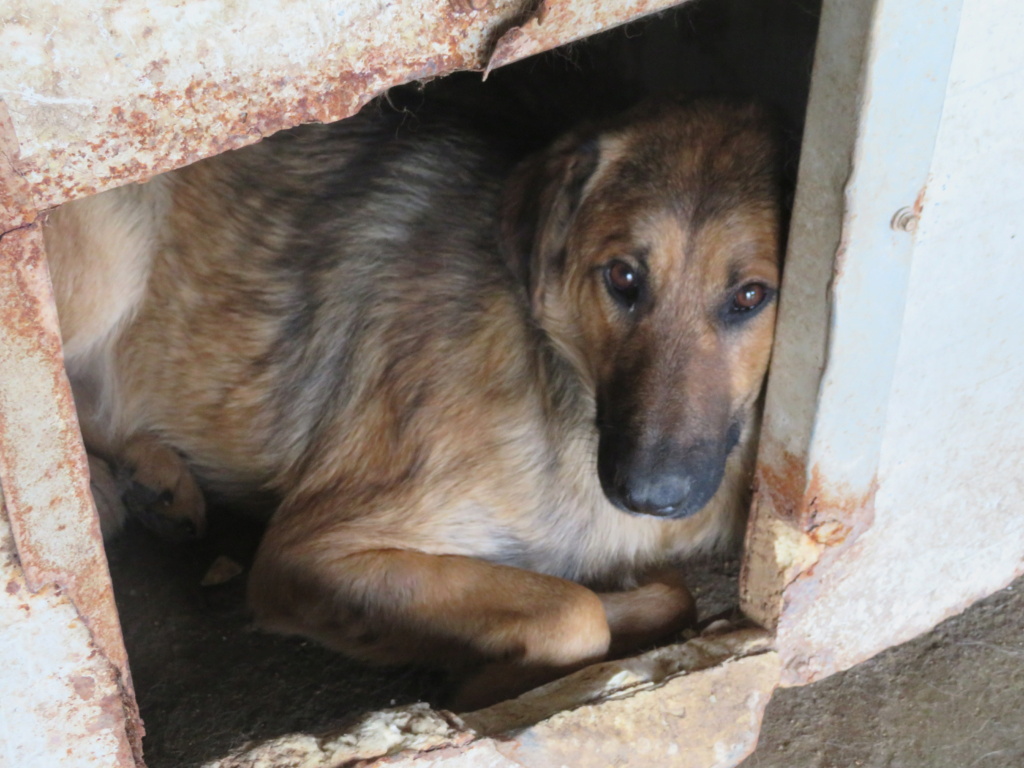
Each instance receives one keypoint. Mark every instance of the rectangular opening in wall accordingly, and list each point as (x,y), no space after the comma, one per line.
(207,682)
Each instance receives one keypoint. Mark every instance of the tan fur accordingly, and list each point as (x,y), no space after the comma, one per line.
(446,506)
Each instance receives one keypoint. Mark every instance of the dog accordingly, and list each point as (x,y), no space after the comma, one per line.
(494,402)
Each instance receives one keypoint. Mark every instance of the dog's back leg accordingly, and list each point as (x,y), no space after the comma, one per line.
(99,251)
(106,494)
(159,489)
(152,483)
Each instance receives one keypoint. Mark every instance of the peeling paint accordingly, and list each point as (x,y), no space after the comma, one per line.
(43,470)
(68,707)
(799,532)
(207,77)
(798,515)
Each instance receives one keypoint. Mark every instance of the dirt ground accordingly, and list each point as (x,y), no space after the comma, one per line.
(953,698)
(208,682)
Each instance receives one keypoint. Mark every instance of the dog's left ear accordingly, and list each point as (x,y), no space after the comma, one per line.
(541,198)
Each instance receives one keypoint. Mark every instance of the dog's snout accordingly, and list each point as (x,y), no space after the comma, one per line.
(664,482)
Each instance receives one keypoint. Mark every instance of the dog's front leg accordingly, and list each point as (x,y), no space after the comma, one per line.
(638,618)
(397,606)
(650,614)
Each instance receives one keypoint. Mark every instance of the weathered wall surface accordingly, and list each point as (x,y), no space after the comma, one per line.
(69,632)
(99,95)
(892,464)
(61,700)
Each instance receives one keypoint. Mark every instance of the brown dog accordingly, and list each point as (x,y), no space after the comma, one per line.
(470,391)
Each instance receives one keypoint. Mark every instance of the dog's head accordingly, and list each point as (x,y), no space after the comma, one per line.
(650,248)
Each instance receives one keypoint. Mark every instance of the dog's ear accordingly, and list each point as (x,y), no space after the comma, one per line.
(540,200)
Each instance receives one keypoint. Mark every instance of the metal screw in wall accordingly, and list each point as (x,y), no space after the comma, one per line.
(904,220)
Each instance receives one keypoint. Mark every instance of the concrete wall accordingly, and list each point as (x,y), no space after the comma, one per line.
(892,463)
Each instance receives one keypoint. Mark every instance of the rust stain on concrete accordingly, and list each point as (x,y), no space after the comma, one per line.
(17,207)
(180,112)
(799,528)
(71,701)
(782,482)
(43,470)
(836,516)
(807,501)
(331,62)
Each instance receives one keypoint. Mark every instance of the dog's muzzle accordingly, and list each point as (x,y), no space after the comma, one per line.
(666,480)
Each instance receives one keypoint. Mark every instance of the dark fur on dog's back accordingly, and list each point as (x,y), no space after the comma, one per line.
(427,361)
(346,291)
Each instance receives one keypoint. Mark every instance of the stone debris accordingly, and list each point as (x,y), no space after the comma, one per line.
(697,704)
(221,571)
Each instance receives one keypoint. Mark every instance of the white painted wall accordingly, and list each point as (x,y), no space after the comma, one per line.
(917,435)
(950,506)
(59,698)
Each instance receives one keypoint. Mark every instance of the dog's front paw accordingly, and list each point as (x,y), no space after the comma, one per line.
(655,612)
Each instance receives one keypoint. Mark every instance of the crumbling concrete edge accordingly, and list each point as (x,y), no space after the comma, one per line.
(697,704)
(43,467)
(68,701)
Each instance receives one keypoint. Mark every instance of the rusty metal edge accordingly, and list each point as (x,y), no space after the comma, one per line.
(227,115)
(45,482)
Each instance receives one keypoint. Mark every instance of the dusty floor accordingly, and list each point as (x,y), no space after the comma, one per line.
(953,698)
(208,682)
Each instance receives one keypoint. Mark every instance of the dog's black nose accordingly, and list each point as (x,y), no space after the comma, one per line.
(667,482)
(658,495)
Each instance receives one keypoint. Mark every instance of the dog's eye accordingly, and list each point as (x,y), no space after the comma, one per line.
(750,296)
(745,303)
(623,281)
